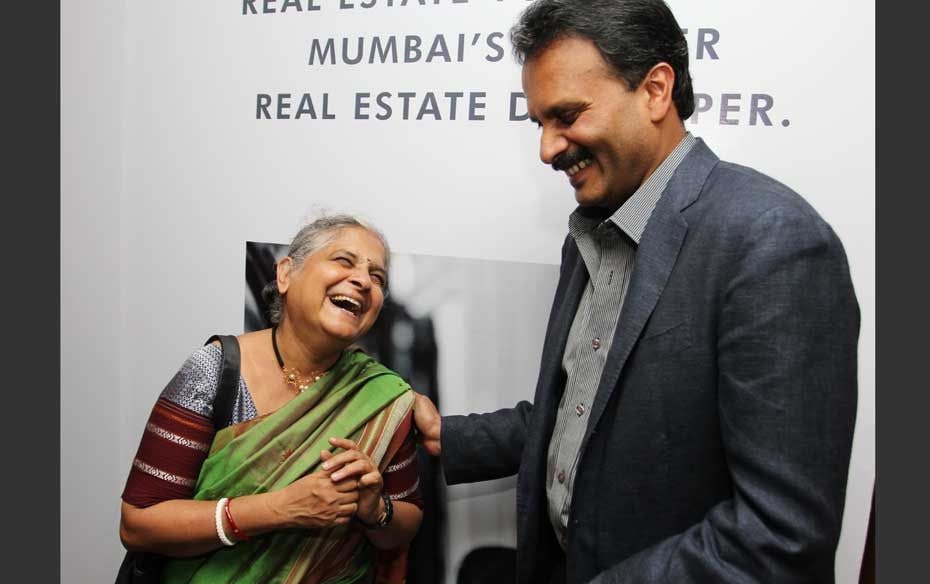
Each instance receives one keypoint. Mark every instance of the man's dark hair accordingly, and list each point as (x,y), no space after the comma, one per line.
(632,36)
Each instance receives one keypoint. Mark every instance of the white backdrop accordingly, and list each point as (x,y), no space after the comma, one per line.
(166,172)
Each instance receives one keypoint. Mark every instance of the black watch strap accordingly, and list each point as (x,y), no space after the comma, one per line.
(385,517)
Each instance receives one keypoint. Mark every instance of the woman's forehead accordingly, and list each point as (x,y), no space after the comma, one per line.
(360,242)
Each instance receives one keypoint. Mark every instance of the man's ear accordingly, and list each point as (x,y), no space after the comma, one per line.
(283,274)
(658,84)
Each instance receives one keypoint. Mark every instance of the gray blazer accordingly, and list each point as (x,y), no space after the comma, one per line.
(719,441)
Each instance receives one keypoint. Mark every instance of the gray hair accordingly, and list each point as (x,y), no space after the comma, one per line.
(311,238)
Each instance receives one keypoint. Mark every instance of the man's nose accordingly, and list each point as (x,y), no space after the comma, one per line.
(551,144)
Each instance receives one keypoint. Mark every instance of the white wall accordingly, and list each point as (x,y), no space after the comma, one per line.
(166,173)
(93,405)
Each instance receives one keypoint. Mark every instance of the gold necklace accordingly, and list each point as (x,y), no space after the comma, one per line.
(292,375)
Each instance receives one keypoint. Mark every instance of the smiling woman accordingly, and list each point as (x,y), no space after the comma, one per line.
(316,468)
(336,278)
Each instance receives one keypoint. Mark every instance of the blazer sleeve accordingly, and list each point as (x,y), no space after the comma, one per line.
(481,447)
(786,353)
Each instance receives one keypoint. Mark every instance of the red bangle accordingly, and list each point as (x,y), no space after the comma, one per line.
(237,533)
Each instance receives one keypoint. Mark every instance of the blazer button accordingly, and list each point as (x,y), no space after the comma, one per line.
(561,476)
(596,343)
(579,409)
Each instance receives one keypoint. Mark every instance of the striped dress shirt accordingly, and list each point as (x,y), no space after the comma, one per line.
(608,249)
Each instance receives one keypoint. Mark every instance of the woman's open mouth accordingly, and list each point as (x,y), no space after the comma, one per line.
(350,305)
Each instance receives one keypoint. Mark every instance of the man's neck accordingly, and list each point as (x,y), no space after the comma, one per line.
(671,133)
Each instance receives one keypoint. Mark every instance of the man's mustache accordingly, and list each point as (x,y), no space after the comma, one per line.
(570,158)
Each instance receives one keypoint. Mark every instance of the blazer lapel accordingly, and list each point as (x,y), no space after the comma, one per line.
(534,533)
(655,258)
(563,313)
(550,384)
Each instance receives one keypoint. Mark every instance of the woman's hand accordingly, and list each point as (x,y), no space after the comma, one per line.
(355,468)
(315,501)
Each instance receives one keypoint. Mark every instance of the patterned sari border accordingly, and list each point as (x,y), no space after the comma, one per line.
(165,476)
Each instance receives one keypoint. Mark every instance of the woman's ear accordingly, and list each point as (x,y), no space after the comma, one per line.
(283,274)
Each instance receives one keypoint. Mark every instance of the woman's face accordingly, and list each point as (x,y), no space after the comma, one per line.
(338,291)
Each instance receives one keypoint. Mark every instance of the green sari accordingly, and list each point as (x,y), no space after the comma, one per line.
(358,399)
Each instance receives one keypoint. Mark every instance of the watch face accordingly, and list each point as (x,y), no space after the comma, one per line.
(388,511)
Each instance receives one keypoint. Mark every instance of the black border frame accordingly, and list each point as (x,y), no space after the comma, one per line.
(30,45)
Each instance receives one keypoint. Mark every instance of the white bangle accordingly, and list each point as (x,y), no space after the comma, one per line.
(218,517)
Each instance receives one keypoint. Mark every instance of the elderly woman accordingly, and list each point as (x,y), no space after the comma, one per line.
(316,471)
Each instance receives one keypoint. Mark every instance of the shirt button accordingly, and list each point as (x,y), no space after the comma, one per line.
(579,409)
(596,343)
(561,476)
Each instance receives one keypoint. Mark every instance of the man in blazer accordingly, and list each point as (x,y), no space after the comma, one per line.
(696,400)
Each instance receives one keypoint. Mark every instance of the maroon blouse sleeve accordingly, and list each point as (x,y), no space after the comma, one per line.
(173,447)
(401,476)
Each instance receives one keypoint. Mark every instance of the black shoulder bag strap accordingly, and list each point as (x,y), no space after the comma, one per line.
(145,568)
(229,381)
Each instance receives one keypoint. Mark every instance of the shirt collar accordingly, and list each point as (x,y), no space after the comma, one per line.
(634,213)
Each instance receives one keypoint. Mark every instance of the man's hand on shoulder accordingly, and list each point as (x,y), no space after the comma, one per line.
(428,423)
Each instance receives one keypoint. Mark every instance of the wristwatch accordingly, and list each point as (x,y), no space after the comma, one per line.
(385,518)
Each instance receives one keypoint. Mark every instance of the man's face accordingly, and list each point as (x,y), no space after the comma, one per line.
(593,127)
